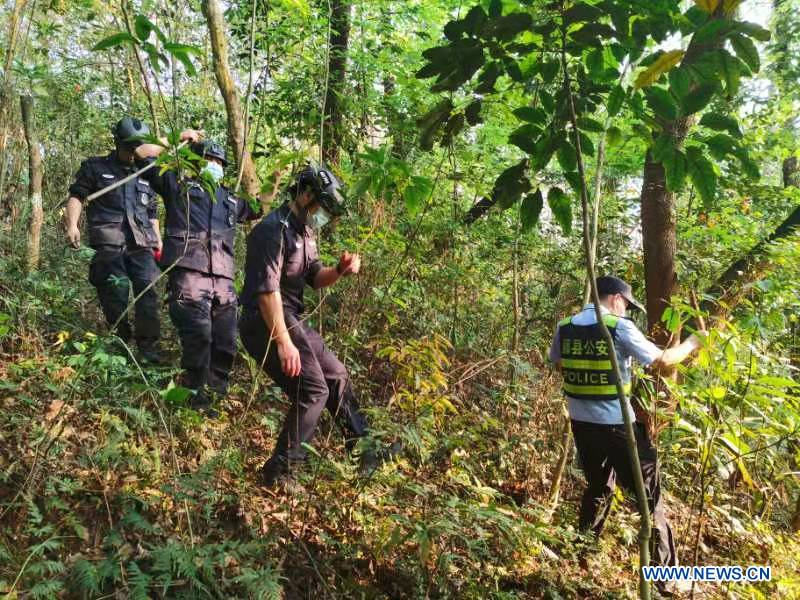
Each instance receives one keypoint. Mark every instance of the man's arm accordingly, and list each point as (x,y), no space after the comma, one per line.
(72,214)
(349,264)
(270,306)
(677,354)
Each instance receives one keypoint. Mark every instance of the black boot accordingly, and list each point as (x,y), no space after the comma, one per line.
(151,354)
(203,403)
(273,472)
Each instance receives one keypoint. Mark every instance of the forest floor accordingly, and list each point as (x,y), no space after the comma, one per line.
(110,488)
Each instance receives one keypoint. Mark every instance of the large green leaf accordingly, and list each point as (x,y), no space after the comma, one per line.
(511,184)
(530,210)
(746,50)
(615,99)
(582,11)
(530,114)
(679,82)
(566,155)
(720,122)
(415,193)
(753,30)
(674,163)
(661,102)
(114,40)
(702,174)
(473,112)
(142,26)
(697,100)
(589,124)
(525,138)
(561,208)
(731,72)
(508,26)
(721,145)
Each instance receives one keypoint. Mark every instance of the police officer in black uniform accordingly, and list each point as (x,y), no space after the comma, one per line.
(198,251)
(124,232)
(282,258)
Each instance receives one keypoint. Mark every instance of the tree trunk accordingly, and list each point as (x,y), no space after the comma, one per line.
(338,41)
(6,89)
(212,9)
(35,182)
(730,286)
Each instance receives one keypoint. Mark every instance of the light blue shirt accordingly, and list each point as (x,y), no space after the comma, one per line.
(629,343)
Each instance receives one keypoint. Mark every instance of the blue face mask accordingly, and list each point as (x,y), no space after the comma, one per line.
(319,219)
(214,170)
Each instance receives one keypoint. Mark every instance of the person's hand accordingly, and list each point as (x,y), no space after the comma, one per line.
(74,236)
(289,357)
(191,135)
(699,339)
(349,264)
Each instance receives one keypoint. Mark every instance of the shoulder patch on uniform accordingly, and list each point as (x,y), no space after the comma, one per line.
(611,320)
(565,321)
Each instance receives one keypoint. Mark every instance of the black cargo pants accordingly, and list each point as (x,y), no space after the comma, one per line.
(203,309)
(112,271)
(323,383)
(603,453)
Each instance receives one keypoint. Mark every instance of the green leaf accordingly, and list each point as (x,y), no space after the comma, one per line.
(530,210)
(615,99)
(588,124)
(710,31)
(530,114)
(721,145)
(753,30)
(114,40)
(720,122)
(574,180)
(142,26)
(173,47)
(187,63)
(702,174)
(746,50)
(511,184)
(697,100)
(524,138)
(587,146)
(662,103)
(561,208)
(415,193)
(662,146)
(613,136)
(674,162)
(679,82)
(566,155)
(507,27)
(473,112)
(549,70)
(582,12)
(548,104)
(731,72)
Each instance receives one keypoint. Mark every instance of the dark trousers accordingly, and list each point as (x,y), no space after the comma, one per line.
(603,453)
(112,271)
(323,383)
(203,309)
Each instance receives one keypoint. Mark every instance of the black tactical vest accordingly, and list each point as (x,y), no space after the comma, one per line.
(120,216)
(200,235)
(586,360)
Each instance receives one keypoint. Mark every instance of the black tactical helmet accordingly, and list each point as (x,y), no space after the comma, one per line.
(328,190)
(207,148)
(128,130)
